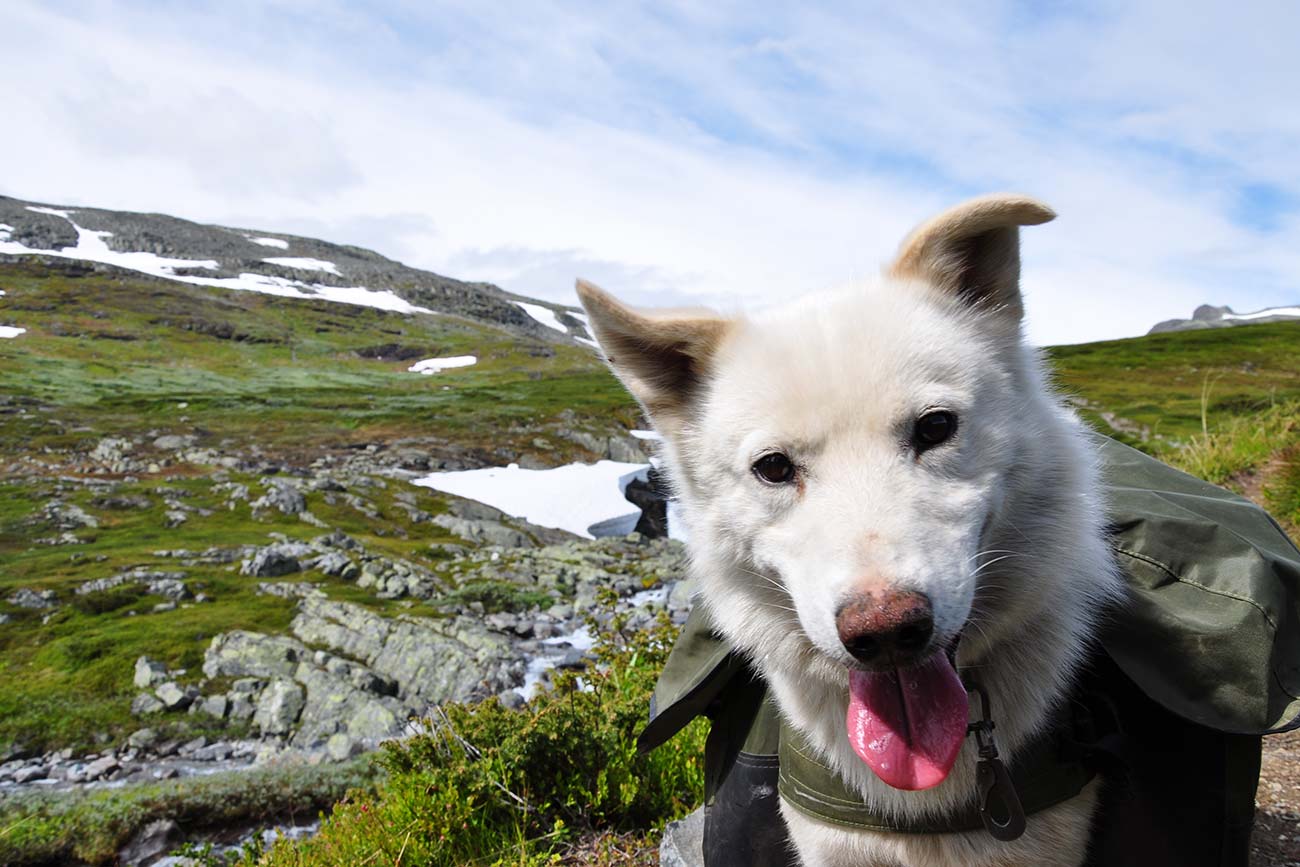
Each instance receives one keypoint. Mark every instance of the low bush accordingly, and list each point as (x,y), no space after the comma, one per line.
(487,785)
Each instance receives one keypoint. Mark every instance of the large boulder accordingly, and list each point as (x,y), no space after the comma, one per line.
(281,494)
(335,704)
(151,843)
(275,560)
(243,654)
(279,706)
(430,660)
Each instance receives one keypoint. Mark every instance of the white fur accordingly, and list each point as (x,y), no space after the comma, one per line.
(1001,528)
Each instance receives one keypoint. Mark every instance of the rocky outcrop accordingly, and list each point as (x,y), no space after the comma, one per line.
(244,654)
(1210,316)
(431,660)
(27,598)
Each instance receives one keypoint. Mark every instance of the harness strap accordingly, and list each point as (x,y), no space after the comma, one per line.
(1046,771)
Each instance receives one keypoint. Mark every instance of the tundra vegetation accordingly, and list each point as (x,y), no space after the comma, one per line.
(132,413)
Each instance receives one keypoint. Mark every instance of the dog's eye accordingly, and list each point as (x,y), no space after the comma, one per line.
(774,468)
(934,428)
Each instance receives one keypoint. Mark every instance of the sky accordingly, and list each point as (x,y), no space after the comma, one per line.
(729,154)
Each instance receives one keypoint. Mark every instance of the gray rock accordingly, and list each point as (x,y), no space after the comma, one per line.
(173,696)
(189,748)
(215,706)
(68,516)
(335,704)
(217,752)
(278,708)
(511,699)
(337,564)
(144,704)
(174,518)
(30,773)
(282,495)
(430,660)
(484,531)
(341,747)
(683,842)
(101,767)
(28,598)
(240,654)
(174,442)
(247,686)
(153,841)
(241,707)
(142,738)
(271,562)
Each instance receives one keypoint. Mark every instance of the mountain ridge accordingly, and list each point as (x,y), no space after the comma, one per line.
(268,261)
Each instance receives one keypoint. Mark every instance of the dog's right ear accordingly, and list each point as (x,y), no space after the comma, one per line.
(661,356)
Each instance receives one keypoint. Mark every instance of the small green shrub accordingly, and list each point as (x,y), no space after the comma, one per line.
(498,596)
(487,785)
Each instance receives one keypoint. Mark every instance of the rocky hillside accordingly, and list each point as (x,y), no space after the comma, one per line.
(270,262)
(1209,316)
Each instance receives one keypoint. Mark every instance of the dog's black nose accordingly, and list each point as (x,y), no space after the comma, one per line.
(890,627)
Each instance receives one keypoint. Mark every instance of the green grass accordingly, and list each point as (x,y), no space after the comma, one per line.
(1169,383)
(284,373)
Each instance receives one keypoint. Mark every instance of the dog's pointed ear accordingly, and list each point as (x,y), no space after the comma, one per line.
(661,356)
(972,251)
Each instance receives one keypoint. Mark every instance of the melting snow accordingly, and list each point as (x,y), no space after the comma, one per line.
(645,434)
(91,248)
(593,344)
(572,497)
(544,315)
(1260,314)
(271,242)
(5,230)
(9,331)
(305,264)
(433,365)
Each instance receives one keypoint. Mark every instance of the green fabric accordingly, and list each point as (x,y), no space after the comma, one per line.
(1212,627)
(1045,773)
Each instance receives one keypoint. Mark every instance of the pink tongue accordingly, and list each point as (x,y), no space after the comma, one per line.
(908,725)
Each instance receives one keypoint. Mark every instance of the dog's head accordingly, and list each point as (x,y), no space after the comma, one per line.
(840,460)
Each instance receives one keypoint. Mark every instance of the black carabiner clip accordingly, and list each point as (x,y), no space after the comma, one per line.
(999,804)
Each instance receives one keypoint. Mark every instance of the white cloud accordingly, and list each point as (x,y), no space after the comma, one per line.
(688,154)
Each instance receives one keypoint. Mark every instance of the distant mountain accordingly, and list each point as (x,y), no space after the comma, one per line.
(268,262)
(1209,316)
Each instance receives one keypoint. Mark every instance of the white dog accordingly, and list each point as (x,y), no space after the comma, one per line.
(882,490)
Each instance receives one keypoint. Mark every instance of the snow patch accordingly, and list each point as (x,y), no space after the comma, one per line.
(645,434)
(1260,314)
(54,212)
(433,365)
(305,264)
(91,248)
(544,315)
(593,344)
(271,242)
(8,332)
(571,497)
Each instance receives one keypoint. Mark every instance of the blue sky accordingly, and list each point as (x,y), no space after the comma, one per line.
(736,154)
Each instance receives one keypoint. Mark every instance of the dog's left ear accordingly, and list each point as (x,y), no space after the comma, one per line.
(973,251)
(662,356)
